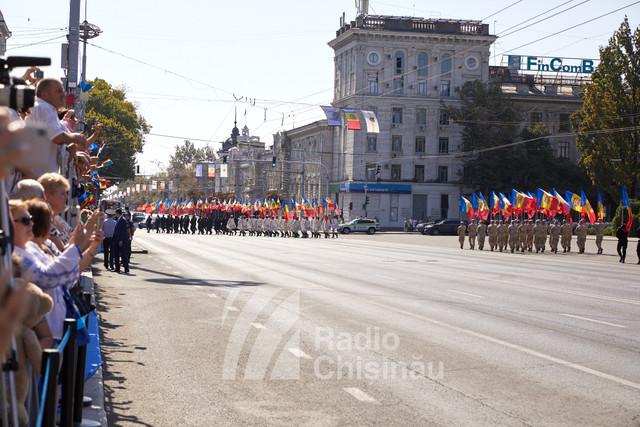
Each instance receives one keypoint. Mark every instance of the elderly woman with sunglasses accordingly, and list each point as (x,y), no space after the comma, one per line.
(50,273)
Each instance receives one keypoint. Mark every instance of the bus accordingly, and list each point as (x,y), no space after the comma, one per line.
(109,204)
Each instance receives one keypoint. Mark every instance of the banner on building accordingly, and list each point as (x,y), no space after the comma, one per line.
(372,121)
(154,185)
(353,121)
(137,188)
(198,170)
(333,118)
(211,172)
(162,185)
(170,185)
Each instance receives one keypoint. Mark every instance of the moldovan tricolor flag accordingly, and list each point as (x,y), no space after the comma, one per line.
(466,206)
(600,207)
(353,122)
(586,207)
(371,121)
(626,204)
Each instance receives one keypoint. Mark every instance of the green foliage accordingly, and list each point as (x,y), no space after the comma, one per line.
(123,129)
(612,102)
(635,211)
(188,153)
(490,119)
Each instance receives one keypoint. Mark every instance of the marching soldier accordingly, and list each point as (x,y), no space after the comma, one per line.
(565,236)
(481,232)
(522,236)
(537,236)
(554,236)
(472,229)
(599,227)
(335,223)
(581,235)
(529,234)
(503,235)
(513,235)
(492,231)
(462,230)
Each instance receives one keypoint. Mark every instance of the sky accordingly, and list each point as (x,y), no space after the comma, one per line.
(190,66)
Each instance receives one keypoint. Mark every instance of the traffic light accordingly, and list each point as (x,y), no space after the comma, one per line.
(273,162)
(350,206)
(224,160)
(138,169)
(366,202)
(364,206)
(378,169)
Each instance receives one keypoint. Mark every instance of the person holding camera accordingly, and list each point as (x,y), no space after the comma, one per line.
(50,97)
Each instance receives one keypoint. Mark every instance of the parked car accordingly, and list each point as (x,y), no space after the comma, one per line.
(420,226)
(447,226)
(369,226)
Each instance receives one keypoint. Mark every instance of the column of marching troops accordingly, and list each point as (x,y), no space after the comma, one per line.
(227,223)
(524,235)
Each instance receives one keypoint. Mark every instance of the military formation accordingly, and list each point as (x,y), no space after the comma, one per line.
(244,225)
(525,235)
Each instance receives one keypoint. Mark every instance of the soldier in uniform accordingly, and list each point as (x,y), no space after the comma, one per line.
(503,235)
(335,222)
(544,232)
(554,236)
(326,227)
(599,227)
(581,233)
(529,234)
(473,230)
(481,233)
(231,225)
(492,231)
(565,236)
(462,230)
(522,236)
(513,235)
(537,236)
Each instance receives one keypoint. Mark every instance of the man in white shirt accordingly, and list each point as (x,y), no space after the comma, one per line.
(49,99)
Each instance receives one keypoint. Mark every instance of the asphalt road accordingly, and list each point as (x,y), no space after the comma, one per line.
(390,329)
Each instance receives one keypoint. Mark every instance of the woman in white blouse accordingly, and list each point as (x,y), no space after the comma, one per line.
(51,274)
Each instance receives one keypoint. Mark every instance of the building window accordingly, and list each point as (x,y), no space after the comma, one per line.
(396,117)
(444,118)
(423,63)
(396,171)
(536,118)
(445,65)
(444,206)
(393,207)
(372,85)
(372,143)
(445,88)
(565,123)
(398,86)
(396,144)
(443,146)
(418,173)
(398,68)
(420,145)
(443,174)
(371,172)
(421,116)
(422,87)
(563,149)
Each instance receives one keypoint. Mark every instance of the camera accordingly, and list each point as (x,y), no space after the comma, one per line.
(16,96)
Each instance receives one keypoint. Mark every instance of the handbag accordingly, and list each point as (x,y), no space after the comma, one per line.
(83,336)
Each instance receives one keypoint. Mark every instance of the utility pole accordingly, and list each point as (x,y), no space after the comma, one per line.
(73,46)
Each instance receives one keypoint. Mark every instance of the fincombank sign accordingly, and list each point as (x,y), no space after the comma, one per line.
(552,64)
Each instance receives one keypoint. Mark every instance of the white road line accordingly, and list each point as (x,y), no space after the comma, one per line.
(359,394)
(592,320)
(196,286)
(257,325)
(384,277)
(299,353)
(231,308)
(213,295)
(464,293)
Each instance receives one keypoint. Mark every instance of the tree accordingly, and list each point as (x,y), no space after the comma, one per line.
(608,123)
(188,153)
(123,129)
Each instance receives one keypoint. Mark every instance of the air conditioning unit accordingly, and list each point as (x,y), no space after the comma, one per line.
(410,86)
(387,84)
(394,125)
(421,127)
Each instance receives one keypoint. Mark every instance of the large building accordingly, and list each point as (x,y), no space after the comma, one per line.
(405,70)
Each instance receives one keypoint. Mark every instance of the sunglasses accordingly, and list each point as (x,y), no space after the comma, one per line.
(26,220)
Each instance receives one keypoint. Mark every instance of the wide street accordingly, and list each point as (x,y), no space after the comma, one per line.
(390,329)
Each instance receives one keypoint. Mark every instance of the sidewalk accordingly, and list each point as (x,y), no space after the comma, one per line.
(94,386)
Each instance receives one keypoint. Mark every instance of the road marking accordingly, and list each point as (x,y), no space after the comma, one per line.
(464,293)
(592,320)
(231,308)
(359,394)
(213,295)
(196,286)
(299,353)
(257,325)
(384,277)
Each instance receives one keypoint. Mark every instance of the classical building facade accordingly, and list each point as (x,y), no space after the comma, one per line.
(406,71)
